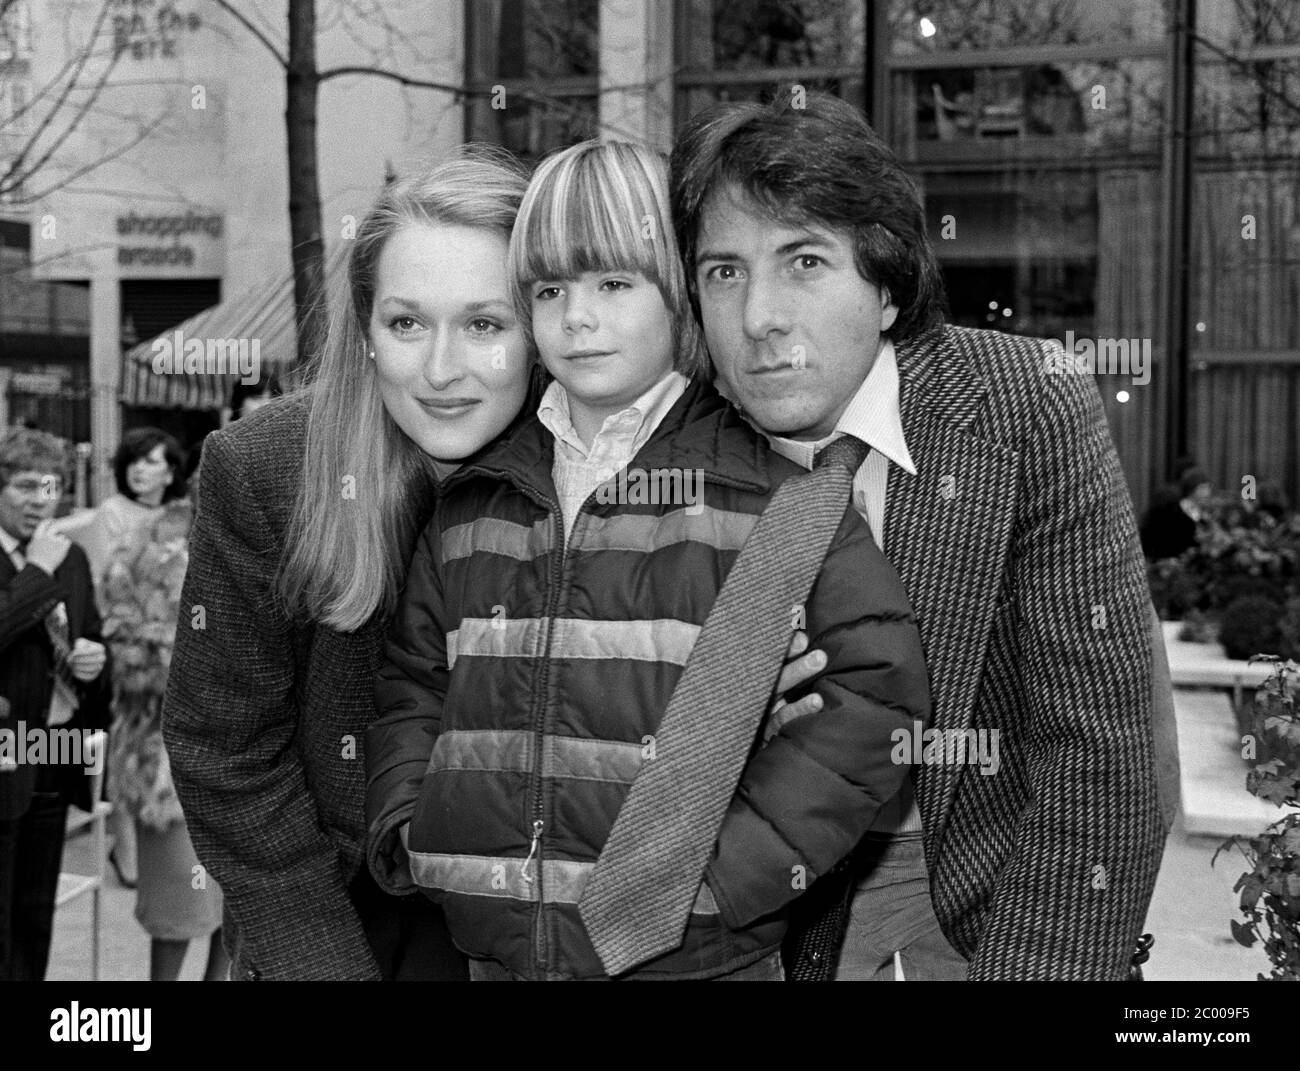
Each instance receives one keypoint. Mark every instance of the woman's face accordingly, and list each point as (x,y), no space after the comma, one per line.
(149,476)
(450,356)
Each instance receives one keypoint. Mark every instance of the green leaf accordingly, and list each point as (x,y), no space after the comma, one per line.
(1252,888)
(1244,935)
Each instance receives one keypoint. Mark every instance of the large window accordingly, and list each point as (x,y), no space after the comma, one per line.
(533,71)
(1037,128)
(1009,112)
(751,49)
(1021,251)
(1016,79)
(946,109)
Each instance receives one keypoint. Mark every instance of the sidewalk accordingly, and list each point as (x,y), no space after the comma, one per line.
(1190,912)
(124,946)
(1189,917)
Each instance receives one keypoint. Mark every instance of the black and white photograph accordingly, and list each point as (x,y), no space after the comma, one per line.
(651,490)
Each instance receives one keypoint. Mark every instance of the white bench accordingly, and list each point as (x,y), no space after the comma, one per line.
(1204,665)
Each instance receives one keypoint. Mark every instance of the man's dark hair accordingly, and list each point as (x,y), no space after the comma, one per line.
(140,442)
(820,164)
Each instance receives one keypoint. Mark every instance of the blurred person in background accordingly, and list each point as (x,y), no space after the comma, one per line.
(143,468)
(1169,527)
(145,532)
(52,675)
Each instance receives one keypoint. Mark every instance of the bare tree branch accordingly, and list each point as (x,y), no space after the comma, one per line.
(1246,67)
(7,181)
(244,21)
(122,150)
(457,92)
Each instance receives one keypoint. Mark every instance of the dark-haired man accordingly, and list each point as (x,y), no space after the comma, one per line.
(52,677)
(995,489)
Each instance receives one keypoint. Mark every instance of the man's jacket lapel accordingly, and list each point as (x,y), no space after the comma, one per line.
(947,531)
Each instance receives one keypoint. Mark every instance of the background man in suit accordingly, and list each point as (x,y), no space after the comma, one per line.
(52,675)
(995,490)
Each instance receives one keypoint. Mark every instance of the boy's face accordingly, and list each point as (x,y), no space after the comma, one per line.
(606,336)
(27,499)
(792,326)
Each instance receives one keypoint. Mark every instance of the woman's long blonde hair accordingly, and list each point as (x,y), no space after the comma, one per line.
(364,483)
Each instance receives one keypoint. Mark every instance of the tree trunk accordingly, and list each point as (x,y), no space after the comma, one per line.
(306,246)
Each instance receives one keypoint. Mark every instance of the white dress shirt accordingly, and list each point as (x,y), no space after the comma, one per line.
(579,469)
(873,416)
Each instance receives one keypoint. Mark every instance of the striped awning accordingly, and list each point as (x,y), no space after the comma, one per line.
(263,315)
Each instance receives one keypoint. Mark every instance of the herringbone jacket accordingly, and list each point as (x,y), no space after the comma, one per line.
(1017,545)
(264,720)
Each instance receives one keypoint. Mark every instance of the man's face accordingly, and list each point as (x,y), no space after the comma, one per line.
(792,327)
(26,500)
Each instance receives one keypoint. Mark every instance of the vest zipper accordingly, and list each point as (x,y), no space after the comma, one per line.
(558,571)
(538,826)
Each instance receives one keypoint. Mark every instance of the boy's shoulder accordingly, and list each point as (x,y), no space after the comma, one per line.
(704,430)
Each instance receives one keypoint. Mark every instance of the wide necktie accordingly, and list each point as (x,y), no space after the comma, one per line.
(63,694)
(638,900)
(63,697)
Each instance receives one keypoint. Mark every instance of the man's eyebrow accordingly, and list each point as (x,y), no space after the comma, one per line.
(709,254)
(807,238)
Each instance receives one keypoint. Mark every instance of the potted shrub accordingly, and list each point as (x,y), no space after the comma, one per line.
(1270,889)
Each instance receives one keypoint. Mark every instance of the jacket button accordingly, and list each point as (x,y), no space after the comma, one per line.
(814,956)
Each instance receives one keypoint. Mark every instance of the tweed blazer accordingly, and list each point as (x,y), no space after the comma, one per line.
(1017,545)
(264,719)
(27,662)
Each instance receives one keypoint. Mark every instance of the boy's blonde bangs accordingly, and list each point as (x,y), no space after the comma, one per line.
(596,207)
(593,208)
